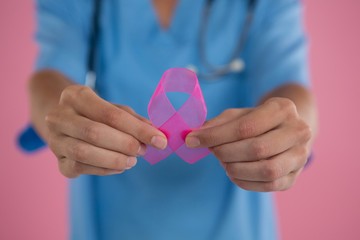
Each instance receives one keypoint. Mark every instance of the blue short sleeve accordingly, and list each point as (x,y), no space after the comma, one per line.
(62,36)
(277,52)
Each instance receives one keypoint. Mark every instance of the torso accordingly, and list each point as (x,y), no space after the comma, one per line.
(139,41)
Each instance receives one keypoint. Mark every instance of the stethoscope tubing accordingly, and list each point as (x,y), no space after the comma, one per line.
(211,72)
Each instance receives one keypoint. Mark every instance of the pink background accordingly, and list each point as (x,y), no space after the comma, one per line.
(324,204)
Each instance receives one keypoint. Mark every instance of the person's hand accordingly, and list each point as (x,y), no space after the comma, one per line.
(91,136)
(261,149)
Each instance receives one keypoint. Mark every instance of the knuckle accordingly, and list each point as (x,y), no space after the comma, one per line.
(64,170)
(52,143)
(91,132)
(231,169)
(82,90)
(118,163)
(73,92)
(52,119)
(218,152)
(78,152)
(132,146)
(276,185)
(275,102)
(242,184)
(289,182)
(271,186)
(245,129)
(303,154)
(49,122)
(72,88)
(143,132)
(128,109)
(289,108)
(77,168)
(68,94)
(287,105)
(284,105)
(230,112)
(112,117)
(208,137)
(287,186)
(305,131)
(64,173)
(271,171)
(259,149)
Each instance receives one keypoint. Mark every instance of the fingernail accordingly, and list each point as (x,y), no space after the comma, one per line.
(192,142)
(159,142)
(142,150)
(131,162)
(115,172)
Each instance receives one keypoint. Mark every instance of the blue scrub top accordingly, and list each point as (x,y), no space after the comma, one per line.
(172,199)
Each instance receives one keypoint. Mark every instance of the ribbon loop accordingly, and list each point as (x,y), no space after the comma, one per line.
(177,124)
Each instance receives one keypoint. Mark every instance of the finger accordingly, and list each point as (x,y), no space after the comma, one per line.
(72,169)
(83,152)
(132,112)
(269,169)
(261,147)
(226,116)
(102,111)
(256,122)
(281,184)
(97,134)
(126,108)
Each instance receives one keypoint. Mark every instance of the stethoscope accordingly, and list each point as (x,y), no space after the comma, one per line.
(211,72)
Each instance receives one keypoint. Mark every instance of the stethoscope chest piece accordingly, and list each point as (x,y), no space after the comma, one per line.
(236,64)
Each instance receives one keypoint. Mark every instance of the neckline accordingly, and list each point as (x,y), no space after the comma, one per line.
(174,21)
(185,17)
(157,13)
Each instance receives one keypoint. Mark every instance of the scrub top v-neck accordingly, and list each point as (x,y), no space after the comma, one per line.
(172,199)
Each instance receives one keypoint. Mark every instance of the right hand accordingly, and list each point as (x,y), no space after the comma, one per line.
(89,135)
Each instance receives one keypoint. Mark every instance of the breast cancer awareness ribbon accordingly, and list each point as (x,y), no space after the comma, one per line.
(176,124)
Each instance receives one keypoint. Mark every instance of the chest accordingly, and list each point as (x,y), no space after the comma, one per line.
(135,50)
(133,28)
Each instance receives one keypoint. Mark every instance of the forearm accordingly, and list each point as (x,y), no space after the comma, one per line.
(304,101)
(45,88)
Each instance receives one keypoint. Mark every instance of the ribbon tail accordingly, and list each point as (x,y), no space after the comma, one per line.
(192,155)
(154,155)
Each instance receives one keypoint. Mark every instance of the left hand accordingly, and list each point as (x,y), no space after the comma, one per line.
(261,149)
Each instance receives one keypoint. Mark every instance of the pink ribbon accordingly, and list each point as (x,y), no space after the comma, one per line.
(176,124)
